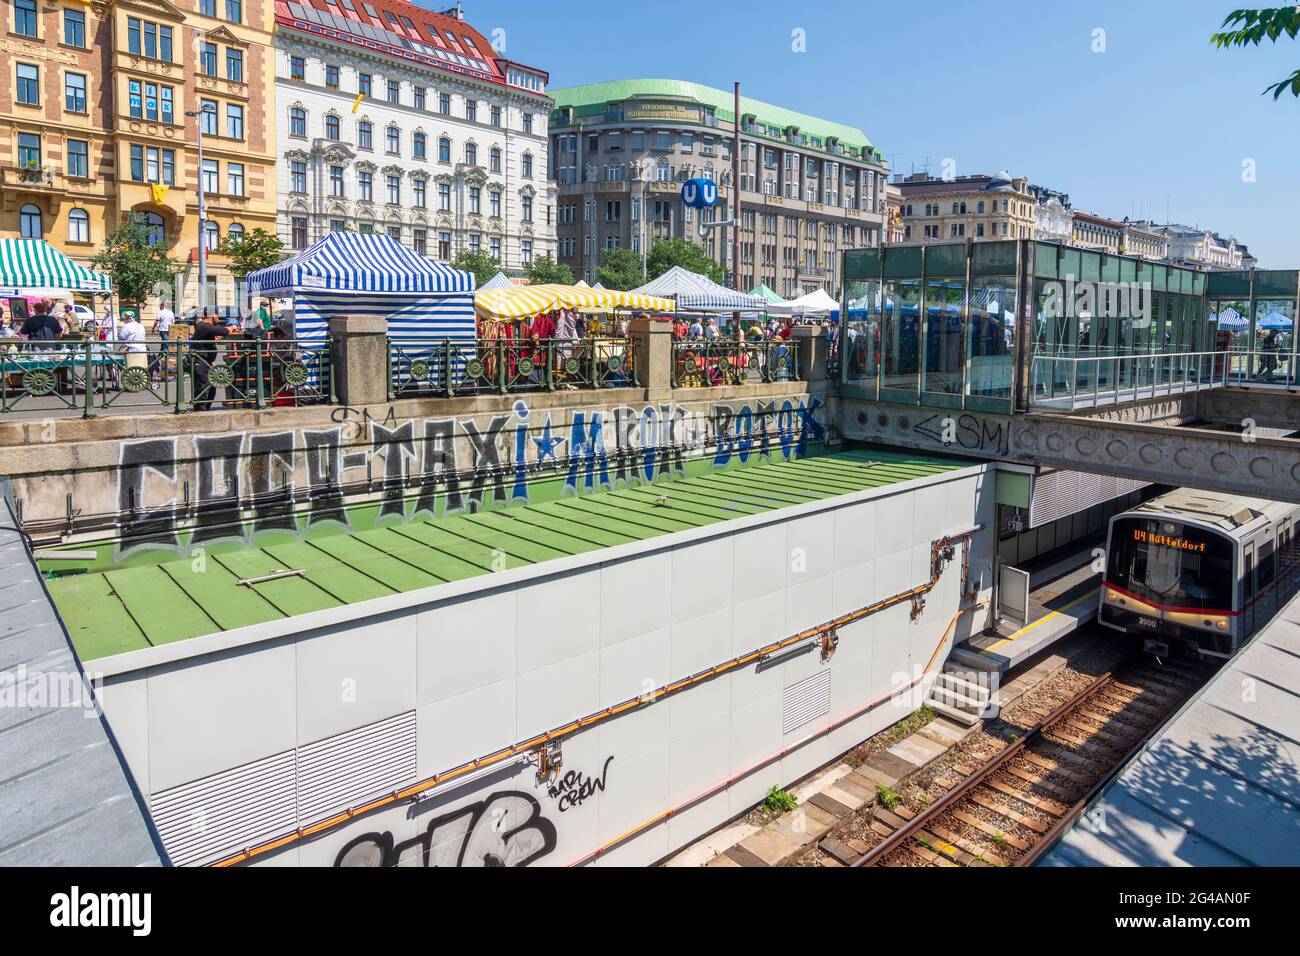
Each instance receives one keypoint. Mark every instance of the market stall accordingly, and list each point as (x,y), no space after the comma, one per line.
(696,293)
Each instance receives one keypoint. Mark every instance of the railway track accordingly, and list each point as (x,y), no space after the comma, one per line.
(1010,809)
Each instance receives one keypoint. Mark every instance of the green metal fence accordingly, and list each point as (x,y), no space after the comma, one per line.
(502,366)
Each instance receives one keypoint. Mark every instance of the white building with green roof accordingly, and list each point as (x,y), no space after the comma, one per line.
(620,150)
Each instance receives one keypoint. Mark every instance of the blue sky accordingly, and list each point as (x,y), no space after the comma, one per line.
(1160,120)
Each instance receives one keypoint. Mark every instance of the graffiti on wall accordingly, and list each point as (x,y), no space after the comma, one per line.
(573,787)
(508,828)
(178,492)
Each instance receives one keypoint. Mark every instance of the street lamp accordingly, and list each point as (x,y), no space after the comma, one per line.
(210,110)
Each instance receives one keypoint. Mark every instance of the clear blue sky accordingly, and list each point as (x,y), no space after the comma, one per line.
(1159,120)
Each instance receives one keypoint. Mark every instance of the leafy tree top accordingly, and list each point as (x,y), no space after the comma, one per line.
(546,270)
(481,264)
(1254,26)
(666,253)
(136,266)
(256,249)
(619,269)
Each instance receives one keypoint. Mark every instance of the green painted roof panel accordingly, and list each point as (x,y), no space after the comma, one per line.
(119,610)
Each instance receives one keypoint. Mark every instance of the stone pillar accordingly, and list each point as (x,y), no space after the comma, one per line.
(652,356)
(811,343)
(360,359)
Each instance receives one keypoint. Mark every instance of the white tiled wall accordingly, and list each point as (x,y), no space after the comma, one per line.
(502,664)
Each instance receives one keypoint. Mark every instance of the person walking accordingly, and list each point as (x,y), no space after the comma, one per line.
(203,355)
(163,321)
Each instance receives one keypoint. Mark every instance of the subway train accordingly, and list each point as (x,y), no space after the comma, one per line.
(1199,572)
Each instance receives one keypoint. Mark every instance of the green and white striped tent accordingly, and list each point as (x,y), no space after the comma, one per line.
(35,264)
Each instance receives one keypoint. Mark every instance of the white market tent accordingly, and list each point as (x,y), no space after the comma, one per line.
(498,281)
(33,265)
(694,292)
(816,304)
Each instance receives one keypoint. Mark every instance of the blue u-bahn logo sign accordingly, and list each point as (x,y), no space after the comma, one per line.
(700,193)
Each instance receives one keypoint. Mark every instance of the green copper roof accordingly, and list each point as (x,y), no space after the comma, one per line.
(593,96)
(130,608)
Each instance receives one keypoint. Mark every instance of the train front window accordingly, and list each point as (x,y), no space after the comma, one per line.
(1171,565)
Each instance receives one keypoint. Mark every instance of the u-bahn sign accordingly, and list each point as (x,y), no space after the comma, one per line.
(700,193)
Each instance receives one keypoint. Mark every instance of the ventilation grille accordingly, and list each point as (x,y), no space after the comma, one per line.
(237,808)
(1058,494)
(806,700)
(337,771)
(227,810)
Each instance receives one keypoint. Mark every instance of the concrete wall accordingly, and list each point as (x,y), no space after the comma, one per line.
(437,682)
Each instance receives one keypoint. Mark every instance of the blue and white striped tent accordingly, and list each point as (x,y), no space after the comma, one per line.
(348,273)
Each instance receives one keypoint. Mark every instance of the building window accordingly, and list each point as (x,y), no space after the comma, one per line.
(417,94)
(418,145)
(444,149)
(365,186)
(527,204)
(147,39)
(394,139)
(29,84)
(528,166)
(235,233)
(297,176)
(211,236)
(394,190)
(207,113)
(420,189)
(475,242)
(496,116)
(528,122)
(420,241)
(78,226)
(394,91)
(25,17)
(235,179)
(331,127)
(444,196)
(150,165)
(297,68)
(444,245)
(494,203)
(494,248)
(208,58)
(152,223)
(526,250)
(297,121)
(208,178)
(444,104)
(332,76)
(79,158)
(235,11)
(29,222)
(364,130)
(74,92)
(471,154)
(298,232)
(338,225)
(336,181)
(395,233)
(475,200)
(363,84)
(494,158)
(234,64)
(234,121)
(471,110)
(74,27)
(208,8)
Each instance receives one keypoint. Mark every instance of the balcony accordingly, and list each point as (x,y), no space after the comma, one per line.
(33,179)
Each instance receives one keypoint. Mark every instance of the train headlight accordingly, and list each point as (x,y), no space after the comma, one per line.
(1223,625)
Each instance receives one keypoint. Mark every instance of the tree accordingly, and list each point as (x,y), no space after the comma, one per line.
(1252,26)
(137,267)
(666,253)
(251,251)
(481,264)
(545,270)
(619,269)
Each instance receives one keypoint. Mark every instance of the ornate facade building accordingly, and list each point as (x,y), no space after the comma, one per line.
(103,103)
(395,119)
(966,207)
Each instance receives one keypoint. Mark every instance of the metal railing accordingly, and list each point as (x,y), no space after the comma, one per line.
(1085,382)
(706,364)
(49,379)
(452,367)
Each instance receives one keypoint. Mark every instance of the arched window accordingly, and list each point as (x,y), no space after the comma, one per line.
(418,145)
(471,154)
(331,127)
(211,235)
(980,207)
(444,149)
(297,121)
(78,226)
(29,218)
(364,132)
(496,159)
(235,232)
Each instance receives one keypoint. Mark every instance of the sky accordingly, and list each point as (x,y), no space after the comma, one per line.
(1141,119)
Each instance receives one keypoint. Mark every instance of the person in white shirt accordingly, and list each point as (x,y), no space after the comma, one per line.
(130,339)
(162,323)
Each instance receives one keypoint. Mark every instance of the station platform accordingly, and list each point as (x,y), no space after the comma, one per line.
(65,796)
(1220,785)
(1062,598)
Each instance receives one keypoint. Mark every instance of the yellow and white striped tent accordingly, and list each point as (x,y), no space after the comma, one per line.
(524,302)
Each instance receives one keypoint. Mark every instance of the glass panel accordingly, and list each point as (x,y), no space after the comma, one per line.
(992,336)
(861,264)
(993,259)
(1045,260)
(902,262)
(900,336)
(944,342)
(1228,325)
(946,260)
(1055,332)
(862,334)
(1274,344)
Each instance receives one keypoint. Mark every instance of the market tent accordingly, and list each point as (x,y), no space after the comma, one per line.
(814,304)
(762,290)
(524,302)
(1232,321)
(1274,322)
(498,281)
(35,264)
(696,292)
(359,262)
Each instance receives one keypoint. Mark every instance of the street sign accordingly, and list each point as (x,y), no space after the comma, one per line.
(700,193)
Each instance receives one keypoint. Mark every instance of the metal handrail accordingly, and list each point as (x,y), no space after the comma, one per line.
(1084,382)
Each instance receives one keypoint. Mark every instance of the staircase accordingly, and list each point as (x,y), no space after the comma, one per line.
(965,695)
